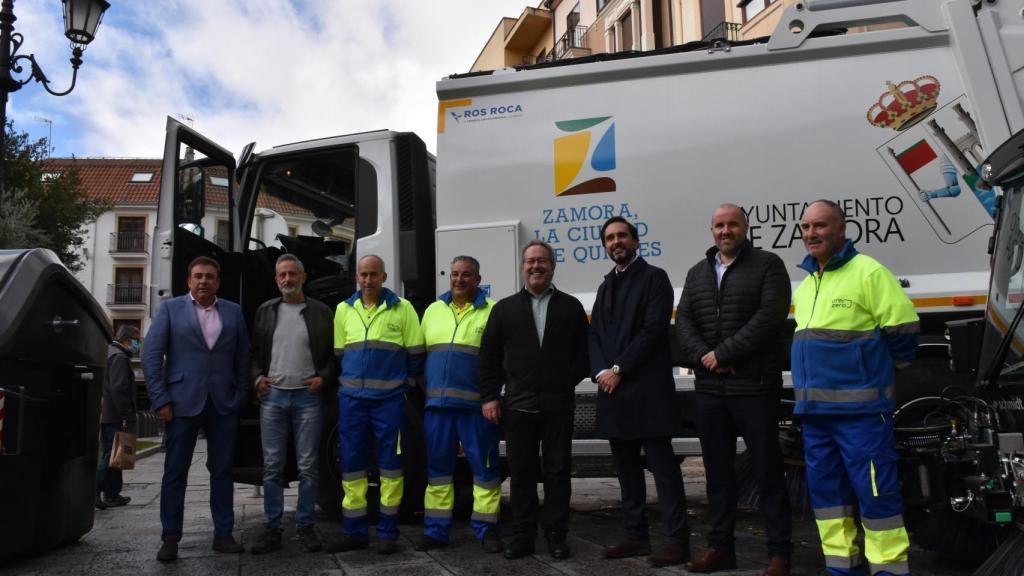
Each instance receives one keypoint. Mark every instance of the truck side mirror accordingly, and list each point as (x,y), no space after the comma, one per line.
(190,201)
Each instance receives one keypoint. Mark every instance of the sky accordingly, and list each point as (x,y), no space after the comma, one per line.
(269,71)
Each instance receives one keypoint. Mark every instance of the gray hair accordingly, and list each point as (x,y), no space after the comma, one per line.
(542,244)
(127,332)
(473,263)
(290,258)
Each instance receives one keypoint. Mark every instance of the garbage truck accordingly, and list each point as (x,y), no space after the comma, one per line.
(893,124)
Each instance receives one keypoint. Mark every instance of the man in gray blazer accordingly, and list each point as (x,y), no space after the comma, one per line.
(196,364)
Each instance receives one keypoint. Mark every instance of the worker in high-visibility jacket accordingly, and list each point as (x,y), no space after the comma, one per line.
(379,345)
(854,325)
(452,328)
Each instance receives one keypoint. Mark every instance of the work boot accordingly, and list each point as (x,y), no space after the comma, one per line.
(426,543)
(669,554)
(309,540)
(269,541)
(387,547)
(168,550)
(100,504)
(227,545)
(779,566)
(117,501)
(713,560)
(347,543)
(626,549)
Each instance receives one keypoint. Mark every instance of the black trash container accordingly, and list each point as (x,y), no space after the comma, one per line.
(53,342)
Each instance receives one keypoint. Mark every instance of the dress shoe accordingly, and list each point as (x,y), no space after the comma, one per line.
(168,551)
(779,566)
(491,542)
(117,501)
(426,543)
(387,547)
(669,554)
(518,548)
(713,560)
(346,544)
(227,545)
(557,547)
(626,549)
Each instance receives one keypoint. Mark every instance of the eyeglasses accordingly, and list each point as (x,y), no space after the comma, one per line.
(532,261)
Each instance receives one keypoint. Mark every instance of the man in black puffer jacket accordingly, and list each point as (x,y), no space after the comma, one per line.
(730,322)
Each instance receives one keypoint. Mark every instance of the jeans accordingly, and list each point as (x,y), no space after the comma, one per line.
(301,410)
(108,480)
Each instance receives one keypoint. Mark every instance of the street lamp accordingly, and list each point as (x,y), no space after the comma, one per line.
(81,18)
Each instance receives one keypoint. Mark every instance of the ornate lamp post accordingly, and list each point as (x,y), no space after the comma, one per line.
(81,18)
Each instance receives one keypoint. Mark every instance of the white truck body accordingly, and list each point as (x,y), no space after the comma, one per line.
(664,139)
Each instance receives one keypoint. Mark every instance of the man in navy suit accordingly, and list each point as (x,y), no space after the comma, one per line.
(195,361)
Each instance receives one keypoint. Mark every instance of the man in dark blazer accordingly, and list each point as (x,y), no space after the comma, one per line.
(535,344)
(196,363)
(630,360)
(730,322)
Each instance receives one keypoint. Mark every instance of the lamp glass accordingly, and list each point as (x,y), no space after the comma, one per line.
(82,18)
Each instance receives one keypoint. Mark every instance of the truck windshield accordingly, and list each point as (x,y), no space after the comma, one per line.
(306,206)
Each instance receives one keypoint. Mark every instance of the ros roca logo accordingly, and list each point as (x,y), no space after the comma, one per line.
(582,155)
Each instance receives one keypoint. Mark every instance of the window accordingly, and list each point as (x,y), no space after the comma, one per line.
(219,181)
(142,177)
(601,4)
(118,322)
(626,24)
(223,234)
(127,287)
(572,20)
(131,234)
(49,176)
(753,7)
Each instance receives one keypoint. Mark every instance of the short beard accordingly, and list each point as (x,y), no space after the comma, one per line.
(626,259)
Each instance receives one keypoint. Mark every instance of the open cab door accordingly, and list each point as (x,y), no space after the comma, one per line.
(197,214)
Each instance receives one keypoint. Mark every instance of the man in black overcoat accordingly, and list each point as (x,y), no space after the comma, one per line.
(535,345)
(730,322)
(630,360)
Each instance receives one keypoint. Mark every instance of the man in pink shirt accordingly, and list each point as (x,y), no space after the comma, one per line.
(196,363)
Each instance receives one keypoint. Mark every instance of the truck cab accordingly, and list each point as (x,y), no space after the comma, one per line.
(325,201)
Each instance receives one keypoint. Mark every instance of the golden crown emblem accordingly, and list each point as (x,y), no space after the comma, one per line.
(905,104)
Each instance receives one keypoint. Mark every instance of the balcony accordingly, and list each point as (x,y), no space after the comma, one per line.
(127,294)
(727,31)
(129,243)
(572,44)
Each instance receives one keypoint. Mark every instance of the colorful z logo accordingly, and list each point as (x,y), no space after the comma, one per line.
(572,151)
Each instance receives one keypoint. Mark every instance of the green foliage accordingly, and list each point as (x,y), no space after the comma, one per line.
(41,214)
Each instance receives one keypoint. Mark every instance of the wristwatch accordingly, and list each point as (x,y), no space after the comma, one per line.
(616,370)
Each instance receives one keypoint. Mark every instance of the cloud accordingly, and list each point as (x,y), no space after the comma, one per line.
(270,71)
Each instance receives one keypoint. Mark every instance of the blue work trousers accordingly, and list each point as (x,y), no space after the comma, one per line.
(363,422)
(445,428)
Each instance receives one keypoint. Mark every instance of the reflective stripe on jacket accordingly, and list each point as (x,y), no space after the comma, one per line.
(379,349)
(453,351)
(853,322)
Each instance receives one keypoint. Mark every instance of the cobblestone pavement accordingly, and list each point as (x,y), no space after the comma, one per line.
(125,540)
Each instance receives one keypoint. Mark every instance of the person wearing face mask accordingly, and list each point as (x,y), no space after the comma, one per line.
(118,412)
(535,345)
(292,367)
